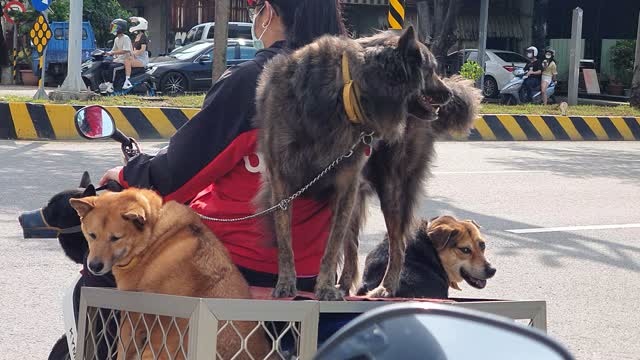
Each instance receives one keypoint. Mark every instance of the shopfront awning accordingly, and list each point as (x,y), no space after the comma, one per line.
(504,27)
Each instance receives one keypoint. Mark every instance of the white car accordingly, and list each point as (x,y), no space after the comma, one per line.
(499,65)
(237,30)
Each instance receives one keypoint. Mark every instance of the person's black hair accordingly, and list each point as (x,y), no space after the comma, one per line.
(306,20)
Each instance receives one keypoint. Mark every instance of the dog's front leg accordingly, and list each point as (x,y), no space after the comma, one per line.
(286,286)
(345,199)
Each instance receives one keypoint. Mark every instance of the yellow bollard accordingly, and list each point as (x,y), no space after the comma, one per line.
(396,14)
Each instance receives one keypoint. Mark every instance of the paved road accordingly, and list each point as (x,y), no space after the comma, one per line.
(568,192)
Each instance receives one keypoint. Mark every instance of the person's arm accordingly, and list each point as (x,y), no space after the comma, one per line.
(143,48)
(207,147)
(536,69)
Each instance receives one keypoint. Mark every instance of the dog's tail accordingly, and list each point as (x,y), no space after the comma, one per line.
(266,223)
(459,114)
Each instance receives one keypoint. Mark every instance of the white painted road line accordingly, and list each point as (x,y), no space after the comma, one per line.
(573,228)
(490,172)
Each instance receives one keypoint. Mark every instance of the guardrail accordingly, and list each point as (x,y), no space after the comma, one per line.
(131,325)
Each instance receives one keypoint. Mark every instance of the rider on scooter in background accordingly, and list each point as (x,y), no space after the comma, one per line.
(121,50)
(533,71)
(549,73)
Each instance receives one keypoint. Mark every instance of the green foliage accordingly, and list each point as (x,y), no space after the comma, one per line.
(622,57)
(471,70)
(100,13)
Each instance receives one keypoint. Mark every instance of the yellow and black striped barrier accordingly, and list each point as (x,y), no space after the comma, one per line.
(396,14)
(553,127)
(26,121)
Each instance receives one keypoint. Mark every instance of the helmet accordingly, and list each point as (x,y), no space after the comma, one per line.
(143,24)
(118,26)
(533,49)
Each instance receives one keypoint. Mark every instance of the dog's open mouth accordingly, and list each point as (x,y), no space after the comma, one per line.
(475,282)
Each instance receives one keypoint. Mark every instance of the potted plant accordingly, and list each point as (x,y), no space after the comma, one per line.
(622,58)
(23,65)
(615,86)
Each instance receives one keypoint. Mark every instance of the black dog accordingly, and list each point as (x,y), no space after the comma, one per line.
(59,217)
(422,276)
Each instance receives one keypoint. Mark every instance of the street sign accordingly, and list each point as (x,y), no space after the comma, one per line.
(40,34)
(40,5)
(13,6)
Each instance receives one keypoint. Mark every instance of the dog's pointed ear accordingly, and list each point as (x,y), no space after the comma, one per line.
(84,205)
(137,216)
(86,180)
(474,223)
(441,235)
(89,191)
(409,48)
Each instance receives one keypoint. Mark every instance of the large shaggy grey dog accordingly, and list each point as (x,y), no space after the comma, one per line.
(314,104)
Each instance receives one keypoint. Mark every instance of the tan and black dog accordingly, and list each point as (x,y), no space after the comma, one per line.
(442,253)
(164,249)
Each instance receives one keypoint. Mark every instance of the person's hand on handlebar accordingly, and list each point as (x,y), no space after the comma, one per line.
(111,174)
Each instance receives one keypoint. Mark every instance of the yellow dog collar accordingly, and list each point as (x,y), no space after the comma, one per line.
(351,94)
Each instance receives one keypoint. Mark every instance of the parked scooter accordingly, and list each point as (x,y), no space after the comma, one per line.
(513,92)
(437,332)
(92,77)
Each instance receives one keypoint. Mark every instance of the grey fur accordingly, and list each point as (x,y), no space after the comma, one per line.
(304,128)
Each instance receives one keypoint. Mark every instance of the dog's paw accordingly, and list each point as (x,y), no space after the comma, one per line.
(329,293)
(380,292)
(285,289)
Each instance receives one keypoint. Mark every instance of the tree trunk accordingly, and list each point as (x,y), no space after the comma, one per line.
(5,65)
(635,84)
(220,37)
(437,19)
(539,31)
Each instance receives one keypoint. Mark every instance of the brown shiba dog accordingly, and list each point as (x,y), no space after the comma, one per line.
(303,112)
(162,249)
(443,252)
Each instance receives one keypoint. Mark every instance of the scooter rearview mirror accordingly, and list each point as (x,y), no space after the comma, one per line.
(94,122)
(437,332)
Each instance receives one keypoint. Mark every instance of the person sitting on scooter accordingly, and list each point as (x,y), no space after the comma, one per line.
(549,73)
(140,56)
(534,72)
(121,50)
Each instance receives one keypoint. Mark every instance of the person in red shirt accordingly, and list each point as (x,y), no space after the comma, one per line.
(212,162)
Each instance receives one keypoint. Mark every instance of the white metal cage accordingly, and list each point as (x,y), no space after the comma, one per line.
(129,325)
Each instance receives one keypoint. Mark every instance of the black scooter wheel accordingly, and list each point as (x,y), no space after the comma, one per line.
(60,350)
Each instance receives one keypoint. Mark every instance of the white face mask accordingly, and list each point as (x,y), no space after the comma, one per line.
(257,40)
(530,55)
(548,56)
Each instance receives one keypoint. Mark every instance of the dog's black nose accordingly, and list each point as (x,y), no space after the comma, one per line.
(490,271)
(96,266)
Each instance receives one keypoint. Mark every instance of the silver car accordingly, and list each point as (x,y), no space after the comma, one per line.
(499,65)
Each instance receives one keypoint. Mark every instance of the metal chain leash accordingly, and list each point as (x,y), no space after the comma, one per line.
(365,138)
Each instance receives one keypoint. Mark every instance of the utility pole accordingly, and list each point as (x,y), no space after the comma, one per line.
(635,84)
(574,56)
(73,84)
(484,20)
(220,37)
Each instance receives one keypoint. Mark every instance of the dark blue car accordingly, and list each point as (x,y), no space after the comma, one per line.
(58,49)
(190,68)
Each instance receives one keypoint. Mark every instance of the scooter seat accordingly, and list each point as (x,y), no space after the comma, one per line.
(138,71)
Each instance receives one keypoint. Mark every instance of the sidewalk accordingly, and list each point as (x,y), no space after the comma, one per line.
(19,90)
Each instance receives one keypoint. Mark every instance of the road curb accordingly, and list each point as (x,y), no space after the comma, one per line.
(26,121)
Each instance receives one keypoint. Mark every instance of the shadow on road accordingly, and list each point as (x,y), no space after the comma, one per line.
(579,162)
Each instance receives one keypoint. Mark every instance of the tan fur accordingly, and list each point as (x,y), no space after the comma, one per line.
(449,236)
(163,249)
